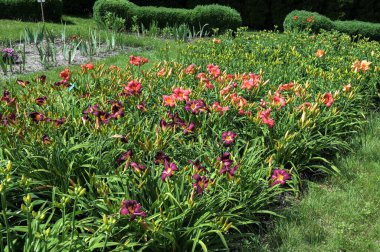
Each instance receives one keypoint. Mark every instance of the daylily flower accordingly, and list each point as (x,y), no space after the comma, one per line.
(46,139)
(137,60)
(37,117)
(295,17)
(201,76)
(238,101)
(305,105)
(200,183)
(226,165)
(103,117)
(132,208)
(208,83)
(198,166)
(189,129)
(41,101)
(59,122)
(125,156)
(181,94)
(161,158)
(328,99)
(363,66)
(190,69)
(141,106)
(217,108)
(133,88)
(320,53)
(168,171)
(217,41)
(42,78)
(23,83)
(163,124)
(279,100)
(213,70)
(253,81)
(226,90)
(265,117)
(7,98)
(262,103)
(86,67)
(225,159)
(162,72)
(176,120)
(65,74)
(228,138)
(196,106)
(279,176)
(285,87)
(137,167)
(347,88)
(117,109)
(8,120)
(169,100)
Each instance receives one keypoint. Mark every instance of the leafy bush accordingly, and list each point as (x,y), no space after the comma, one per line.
(114,22)
(78,7)
(303,20)
(30,10)
(215,16)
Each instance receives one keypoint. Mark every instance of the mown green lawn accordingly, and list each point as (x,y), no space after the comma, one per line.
(339,214)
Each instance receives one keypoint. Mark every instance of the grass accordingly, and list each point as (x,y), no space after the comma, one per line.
(340,214)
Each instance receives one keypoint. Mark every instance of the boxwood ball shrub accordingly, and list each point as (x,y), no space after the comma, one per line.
(216,16)
(301,20)
(30,10)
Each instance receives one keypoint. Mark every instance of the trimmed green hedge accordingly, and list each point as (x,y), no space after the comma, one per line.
(78,7)
(216,16)
(301,20)
(30,10)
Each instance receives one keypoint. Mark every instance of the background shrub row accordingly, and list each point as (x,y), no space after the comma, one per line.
(30,10)
(216,16)
(264,14)
(299,20)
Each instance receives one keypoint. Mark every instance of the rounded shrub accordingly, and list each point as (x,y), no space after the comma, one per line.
(216,16)
(30,10)
(302,20)
(354,28)
(78,7)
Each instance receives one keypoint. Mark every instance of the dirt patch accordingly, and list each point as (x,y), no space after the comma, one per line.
(34,63)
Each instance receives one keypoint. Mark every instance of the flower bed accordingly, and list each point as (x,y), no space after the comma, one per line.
(179,156)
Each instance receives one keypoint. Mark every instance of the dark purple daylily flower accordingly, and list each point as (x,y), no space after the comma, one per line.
(176,120)
(168,171)
(161,158)
(200,183)
(41,101)
(117,109)
(46,139)
(132,208)
(141,106)
(228,138)
(59,122)
(103,117)
(7,98)
(198,166)
(226,165)
(37,117)
(163,124)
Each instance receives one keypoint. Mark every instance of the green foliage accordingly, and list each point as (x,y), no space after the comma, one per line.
(114,22)
(304,20)
(78,7)
(215,16)
(30,10)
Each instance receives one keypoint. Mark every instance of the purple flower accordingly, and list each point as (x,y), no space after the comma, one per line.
(279,176)
(132,208)
(228,138)
(161,158)
(137,167)
(226,165)
(200,183)
(196,106)
(36,117)
(198,166)
(117,109)
(124,156)
(41,101)
(168,171)
(189,129)
(141,106)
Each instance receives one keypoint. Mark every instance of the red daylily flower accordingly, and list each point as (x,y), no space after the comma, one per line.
(181,94)
(190,69)
(137,167)
(285,87)
(169,100)
(196,106)
(213,70)
(328,99)
(265,117)
(137,60)
(217,108)
(279,100)
(253,81)
(133,88)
